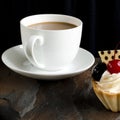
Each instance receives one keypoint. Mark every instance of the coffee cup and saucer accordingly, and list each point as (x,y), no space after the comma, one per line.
(50,48)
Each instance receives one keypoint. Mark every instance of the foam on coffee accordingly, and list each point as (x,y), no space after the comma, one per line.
(52,26)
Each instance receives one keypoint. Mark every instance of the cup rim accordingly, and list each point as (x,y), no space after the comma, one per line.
(66,18)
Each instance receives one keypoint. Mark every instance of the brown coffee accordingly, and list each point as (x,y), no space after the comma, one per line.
(52,25)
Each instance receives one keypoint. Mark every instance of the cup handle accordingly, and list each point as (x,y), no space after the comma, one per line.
(33,42)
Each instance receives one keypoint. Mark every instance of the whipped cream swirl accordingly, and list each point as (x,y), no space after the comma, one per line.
(110,82)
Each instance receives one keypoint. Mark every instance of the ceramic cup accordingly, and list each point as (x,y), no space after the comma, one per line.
(54,46)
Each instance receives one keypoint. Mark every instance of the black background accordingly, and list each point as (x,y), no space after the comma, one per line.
(101,20)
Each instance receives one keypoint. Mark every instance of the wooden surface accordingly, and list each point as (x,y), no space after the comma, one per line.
(30,99)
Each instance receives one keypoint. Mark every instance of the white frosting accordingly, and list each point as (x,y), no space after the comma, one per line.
(110,82)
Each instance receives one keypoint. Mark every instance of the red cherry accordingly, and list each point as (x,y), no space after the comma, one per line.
(113,66)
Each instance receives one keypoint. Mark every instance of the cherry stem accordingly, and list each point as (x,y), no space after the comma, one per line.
(116,48)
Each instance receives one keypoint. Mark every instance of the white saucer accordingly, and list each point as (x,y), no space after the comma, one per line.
(14,58)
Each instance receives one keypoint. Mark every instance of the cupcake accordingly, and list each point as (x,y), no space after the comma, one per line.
(106,79)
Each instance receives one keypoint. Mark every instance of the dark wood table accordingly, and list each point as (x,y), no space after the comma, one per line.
(68,99)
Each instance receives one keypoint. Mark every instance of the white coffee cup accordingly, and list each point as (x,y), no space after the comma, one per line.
(50,49)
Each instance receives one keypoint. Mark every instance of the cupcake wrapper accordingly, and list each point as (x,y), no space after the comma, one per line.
(111,101)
